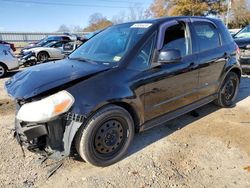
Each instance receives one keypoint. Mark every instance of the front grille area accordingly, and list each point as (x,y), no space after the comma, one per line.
(74,117)
(46,137)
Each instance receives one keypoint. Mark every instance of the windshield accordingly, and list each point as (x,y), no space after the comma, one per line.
(90,35)
(244,33)
(46,40)
(109,46)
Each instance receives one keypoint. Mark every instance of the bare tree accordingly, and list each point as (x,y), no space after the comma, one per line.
(97,21)
(137,12)
(159,8)
(119,18)
(76,28)
(63,28)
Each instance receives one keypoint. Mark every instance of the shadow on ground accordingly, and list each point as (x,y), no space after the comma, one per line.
(146,138)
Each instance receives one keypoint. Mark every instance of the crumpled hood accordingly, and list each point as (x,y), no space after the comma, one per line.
(41,78)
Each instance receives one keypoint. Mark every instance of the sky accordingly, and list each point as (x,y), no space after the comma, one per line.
(48,15)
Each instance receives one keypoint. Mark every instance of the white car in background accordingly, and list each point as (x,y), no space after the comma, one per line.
(50,51)
(7,60)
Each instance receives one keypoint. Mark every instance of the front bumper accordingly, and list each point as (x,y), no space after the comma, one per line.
(51,139)
(245,64)
(244,59)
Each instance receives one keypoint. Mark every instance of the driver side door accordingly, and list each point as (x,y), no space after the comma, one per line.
(171,86)
(56,51)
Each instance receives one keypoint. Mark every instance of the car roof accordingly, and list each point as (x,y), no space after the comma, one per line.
(165,19)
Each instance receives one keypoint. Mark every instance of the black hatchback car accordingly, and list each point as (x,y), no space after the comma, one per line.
(126,79)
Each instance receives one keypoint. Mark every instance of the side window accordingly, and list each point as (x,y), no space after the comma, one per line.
(207,36)
(57,45)
(176,38)
(142,59)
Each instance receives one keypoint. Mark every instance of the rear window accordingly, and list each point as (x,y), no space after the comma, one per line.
(207,36)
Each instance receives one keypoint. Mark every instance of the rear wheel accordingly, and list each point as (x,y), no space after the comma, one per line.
(106,137)
(42,57)
(3,70)
(228,91)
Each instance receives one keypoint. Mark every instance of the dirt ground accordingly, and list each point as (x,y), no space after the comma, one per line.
(211,150)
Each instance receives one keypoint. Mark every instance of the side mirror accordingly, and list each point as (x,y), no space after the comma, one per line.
(169,56)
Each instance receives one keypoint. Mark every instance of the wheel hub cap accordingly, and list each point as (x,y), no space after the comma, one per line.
(1,71)
(109,137)
(229,90)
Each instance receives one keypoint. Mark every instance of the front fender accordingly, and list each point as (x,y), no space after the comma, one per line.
(107,88)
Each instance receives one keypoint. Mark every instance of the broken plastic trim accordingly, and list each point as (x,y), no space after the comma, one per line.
(74,117)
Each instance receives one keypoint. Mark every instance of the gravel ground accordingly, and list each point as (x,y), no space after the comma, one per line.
(211,150)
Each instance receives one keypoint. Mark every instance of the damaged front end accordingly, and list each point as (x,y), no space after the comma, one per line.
(45,120)
(51,139)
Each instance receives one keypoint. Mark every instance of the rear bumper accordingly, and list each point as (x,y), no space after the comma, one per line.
(245,63)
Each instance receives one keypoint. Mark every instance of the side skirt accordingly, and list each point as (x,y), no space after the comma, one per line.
(172,115)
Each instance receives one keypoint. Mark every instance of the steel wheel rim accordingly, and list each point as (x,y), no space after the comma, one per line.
(229,90)
(43,57)
(109,138)
(1,71)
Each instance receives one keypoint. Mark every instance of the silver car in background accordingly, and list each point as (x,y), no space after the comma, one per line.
(7,60)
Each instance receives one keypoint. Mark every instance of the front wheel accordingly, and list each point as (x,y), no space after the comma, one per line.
(106,137)
(42,57)
(228,91)
(3,71)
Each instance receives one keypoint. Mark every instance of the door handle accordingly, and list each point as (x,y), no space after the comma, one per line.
(193,65)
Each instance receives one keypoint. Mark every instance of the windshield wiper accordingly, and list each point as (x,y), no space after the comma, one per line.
(82,59)
(78,58)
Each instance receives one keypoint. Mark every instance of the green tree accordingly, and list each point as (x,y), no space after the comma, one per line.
(240,16)
(159,8)
(187,7)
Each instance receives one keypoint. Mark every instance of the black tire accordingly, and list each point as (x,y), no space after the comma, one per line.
(42,57)
(3,70)
(106,136)
(228,91)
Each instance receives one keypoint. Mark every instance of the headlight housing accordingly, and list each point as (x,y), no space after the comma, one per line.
(46,109)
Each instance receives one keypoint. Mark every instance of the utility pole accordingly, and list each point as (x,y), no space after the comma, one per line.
(229,6)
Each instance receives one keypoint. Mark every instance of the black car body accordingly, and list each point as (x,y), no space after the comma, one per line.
(128,78)
(242,39)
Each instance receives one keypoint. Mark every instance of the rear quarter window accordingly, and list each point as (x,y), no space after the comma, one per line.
(225,35)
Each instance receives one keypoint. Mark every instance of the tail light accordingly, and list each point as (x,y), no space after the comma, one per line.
(237,49)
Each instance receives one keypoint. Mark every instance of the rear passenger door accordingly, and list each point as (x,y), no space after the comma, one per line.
(212,56)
